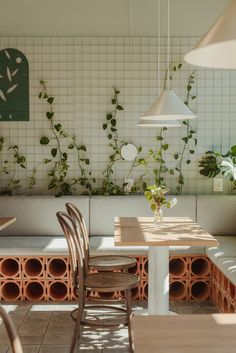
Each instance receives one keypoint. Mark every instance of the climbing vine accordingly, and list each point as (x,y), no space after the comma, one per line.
(58,161)
(189,140)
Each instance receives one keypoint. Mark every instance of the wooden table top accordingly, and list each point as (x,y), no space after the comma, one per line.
(205,333)
(6,221)
(175,231)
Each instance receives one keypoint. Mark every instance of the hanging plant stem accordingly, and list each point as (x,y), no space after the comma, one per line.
(187,139)
(110,126)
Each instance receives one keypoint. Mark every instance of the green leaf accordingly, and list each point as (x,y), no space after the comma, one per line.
(179,66)
(159,138)
(164,128)
(185,139)
(109,116)
(83,148)
(57,127)
(189,87)
(54,152)
(233,150)
(119,107)
(113,101)
(165,147)
(44,140)
(176,156)
(153,207)
(49,115)
(64,155)
(50,100)
(113,129)
(113,122)
(195,142)
(194,97)
(46,161)
(171,171)
(87,161)
(109,136)
(104,126)
(191,151)
(140,149)
(188,161)
(185,122)
(71,146)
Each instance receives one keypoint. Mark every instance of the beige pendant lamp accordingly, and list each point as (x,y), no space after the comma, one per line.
(168,108)
(217,48)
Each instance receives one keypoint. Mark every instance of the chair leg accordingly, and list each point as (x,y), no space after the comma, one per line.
(77,328)
(129,314)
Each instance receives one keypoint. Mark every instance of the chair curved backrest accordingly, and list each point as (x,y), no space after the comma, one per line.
(75,213)
(75,247)
(11,332)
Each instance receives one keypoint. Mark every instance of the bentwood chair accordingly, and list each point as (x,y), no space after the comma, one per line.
(101,262)
(11,332)
(107,282)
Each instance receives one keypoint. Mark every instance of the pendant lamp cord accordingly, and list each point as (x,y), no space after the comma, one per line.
(168,44)
(130,56)
(158,44)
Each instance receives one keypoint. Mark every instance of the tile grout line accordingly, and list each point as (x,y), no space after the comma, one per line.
(43,336)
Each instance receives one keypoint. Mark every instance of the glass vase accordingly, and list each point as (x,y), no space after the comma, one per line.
(158,216)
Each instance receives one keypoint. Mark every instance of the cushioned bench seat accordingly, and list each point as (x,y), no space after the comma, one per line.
(224,256)
(227,265)
(35,246)
(47,246)
(227,248)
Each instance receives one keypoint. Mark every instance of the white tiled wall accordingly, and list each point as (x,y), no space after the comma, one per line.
(80,74)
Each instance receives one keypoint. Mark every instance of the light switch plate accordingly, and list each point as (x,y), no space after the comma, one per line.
(218,185)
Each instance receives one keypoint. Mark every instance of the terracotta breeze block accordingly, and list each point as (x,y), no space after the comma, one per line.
(200,290)
(178,267)
(58,290)
(34,290)
(33,267)
(57,267)
(179,290)
(10,267)
(10,290)
(200,267)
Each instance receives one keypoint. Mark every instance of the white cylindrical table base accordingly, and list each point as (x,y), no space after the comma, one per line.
(158,280)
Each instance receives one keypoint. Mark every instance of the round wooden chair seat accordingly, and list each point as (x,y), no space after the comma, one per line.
(111,281)
(111,262)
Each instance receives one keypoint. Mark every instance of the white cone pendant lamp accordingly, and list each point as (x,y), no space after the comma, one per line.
(168,108)
(158,124)
(217,49)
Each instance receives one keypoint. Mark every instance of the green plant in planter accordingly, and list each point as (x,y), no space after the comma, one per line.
(59,155)
(10,168)
(215,163)
(189,140)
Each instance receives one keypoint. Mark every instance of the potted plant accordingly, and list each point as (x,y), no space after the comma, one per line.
(156,195)
(215,163)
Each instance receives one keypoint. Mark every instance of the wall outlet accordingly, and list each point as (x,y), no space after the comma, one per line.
(218,185)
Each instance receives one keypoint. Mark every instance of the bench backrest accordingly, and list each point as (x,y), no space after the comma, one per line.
(36,215)
(103,210)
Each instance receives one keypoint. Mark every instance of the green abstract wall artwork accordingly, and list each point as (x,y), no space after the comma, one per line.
(14,86)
